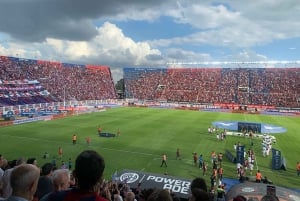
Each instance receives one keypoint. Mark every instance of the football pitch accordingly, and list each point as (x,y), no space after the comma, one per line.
(146,133)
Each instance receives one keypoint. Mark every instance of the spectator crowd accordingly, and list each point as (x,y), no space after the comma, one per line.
(25,81)
(247,86)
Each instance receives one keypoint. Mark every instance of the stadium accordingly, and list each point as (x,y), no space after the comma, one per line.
(203,109)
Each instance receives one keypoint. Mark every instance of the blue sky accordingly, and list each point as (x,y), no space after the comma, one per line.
(164,27)
(132,33)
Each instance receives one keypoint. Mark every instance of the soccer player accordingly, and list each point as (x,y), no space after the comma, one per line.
(164,160)
(195,158)
(178,154)
(60,152)
(99,129)
(118,132)
(204,168)
(88,140)
(200,160)
(74,139)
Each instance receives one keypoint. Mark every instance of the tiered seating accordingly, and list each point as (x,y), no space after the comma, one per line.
(258,86)
(60,81)
(144,83)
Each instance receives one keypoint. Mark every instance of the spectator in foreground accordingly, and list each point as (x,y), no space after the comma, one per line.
(199,194)
(45,184)
(60,182)
(89,168)
(24,180)
(269,198)
(199,190)
(160,195)
(6,188)
(199,183)
(130,196)
(240,198)
(32,161)
(61,179)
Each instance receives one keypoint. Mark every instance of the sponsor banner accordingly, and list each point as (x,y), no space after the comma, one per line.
(28,120)
(276,159)
(6,123)
(179,186)
(48,112)
(240,154)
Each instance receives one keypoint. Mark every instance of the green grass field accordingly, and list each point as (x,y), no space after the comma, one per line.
(145,134)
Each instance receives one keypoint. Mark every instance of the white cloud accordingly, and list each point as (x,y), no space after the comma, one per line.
(114,45)
(110,45)
(204,16)
(179,55)
(254,24)
(247,55)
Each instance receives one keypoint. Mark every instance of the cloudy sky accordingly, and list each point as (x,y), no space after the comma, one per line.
(150,33)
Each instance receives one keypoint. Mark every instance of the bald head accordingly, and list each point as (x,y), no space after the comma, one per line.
(24,180)
(61,179)
(130,196)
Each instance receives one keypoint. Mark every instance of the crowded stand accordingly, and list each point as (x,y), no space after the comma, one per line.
(277,87)
(26,81)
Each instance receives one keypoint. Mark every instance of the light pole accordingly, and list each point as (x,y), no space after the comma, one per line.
(65,97)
